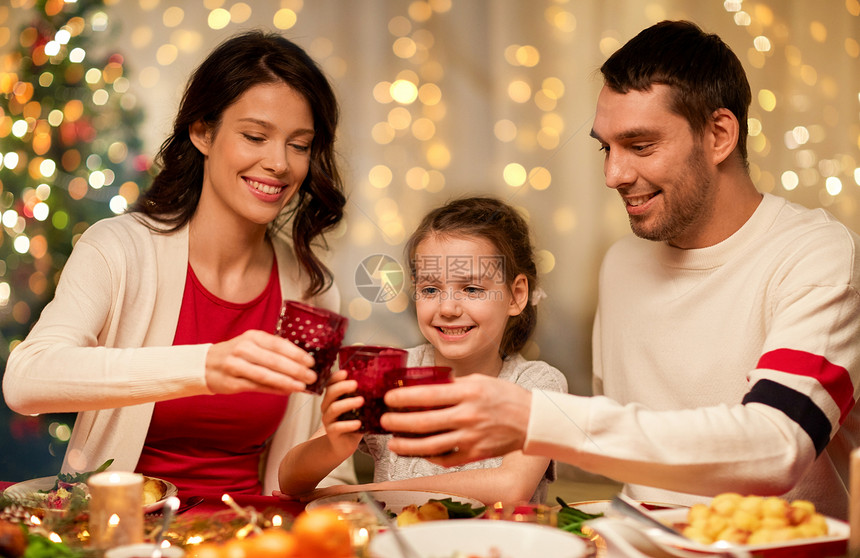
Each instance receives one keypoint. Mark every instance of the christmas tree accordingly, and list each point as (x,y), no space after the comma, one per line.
(69,156)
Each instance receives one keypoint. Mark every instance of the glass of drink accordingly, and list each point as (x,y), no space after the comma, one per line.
(372,367)
(419,376)
(316,330)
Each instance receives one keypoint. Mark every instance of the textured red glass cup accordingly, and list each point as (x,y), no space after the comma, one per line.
(372,367)
(419,376)
(316,330)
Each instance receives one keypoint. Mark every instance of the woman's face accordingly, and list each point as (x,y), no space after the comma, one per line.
(258,157)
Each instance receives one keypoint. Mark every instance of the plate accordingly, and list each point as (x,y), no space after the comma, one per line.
(395,500)
(603,506)
(480,537)
(834,544)
(24,490)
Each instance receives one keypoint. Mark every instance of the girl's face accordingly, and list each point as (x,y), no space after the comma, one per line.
(463,302)
(258,157)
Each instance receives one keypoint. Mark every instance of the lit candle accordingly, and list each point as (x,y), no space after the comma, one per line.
(854,502)
(116,509)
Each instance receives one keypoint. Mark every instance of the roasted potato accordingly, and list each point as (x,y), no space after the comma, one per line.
(153,490)
(753,520)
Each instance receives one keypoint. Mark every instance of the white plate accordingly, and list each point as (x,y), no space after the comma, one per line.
(604,506)
(24,490)
(838,534)
(395,500)
(479,536)
(143,549)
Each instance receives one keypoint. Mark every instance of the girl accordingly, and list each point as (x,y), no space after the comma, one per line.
(472,265)
(160,334)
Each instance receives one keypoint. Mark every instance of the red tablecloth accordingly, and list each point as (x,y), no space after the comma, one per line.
(212,503)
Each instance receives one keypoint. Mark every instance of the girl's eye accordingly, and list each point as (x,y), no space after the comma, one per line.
(474,291)
(428,291)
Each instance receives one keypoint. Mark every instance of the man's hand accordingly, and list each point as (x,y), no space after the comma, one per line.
(483,417)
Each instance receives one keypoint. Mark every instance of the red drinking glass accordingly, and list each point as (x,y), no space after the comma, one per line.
(419,376)
(372,367)
(316,330)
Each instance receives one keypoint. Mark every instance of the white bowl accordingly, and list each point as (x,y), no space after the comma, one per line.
(479,536)
(143,550)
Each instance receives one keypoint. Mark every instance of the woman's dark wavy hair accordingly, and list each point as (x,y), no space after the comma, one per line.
(701,70)
(501,225)
(239,63)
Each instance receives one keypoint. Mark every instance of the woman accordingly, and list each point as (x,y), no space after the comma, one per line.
(160,332)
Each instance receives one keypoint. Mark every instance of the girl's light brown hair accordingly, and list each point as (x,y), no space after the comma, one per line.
(501,225)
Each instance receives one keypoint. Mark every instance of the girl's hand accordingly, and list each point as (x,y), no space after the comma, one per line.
(258,361)
(342,434)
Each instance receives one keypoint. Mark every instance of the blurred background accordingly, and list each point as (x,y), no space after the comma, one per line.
(440,98)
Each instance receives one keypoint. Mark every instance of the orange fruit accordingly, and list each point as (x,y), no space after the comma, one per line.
(235,548)
(271,543)
(321,533)
(204,550)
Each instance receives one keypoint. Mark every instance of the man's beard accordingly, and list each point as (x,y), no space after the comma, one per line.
(685,208)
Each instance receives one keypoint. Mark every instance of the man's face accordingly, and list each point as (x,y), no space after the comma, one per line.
(658,166)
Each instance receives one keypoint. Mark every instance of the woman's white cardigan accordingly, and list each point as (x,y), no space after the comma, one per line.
(103,348)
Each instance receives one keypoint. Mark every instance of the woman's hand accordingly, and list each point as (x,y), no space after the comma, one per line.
(343,435)
(483,417)
(258,361)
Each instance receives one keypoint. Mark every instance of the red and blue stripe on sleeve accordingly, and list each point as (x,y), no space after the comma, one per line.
(797,405)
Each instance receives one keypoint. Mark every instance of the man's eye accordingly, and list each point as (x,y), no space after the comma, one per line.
(604,148)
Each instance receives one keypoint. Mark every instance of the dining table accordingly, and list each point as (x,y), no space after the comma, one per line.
(609,537)
(201,517)
(212,502)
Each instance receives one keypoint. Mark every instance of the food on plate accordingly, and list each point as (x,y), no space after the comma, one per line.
(434,510)
(571,519)
(76,478)
(63,496)
(431,511)
(70,491)
(153,490)
(753,520)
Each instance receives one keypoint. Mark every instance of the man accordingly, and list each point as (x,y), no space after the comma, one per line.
(725,343)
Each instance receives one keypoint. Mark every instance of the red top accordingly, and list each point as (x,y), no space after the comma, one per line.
(214,443)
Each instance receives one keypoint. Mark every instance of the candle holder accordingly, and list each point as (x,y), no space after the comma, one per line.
(116,509)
